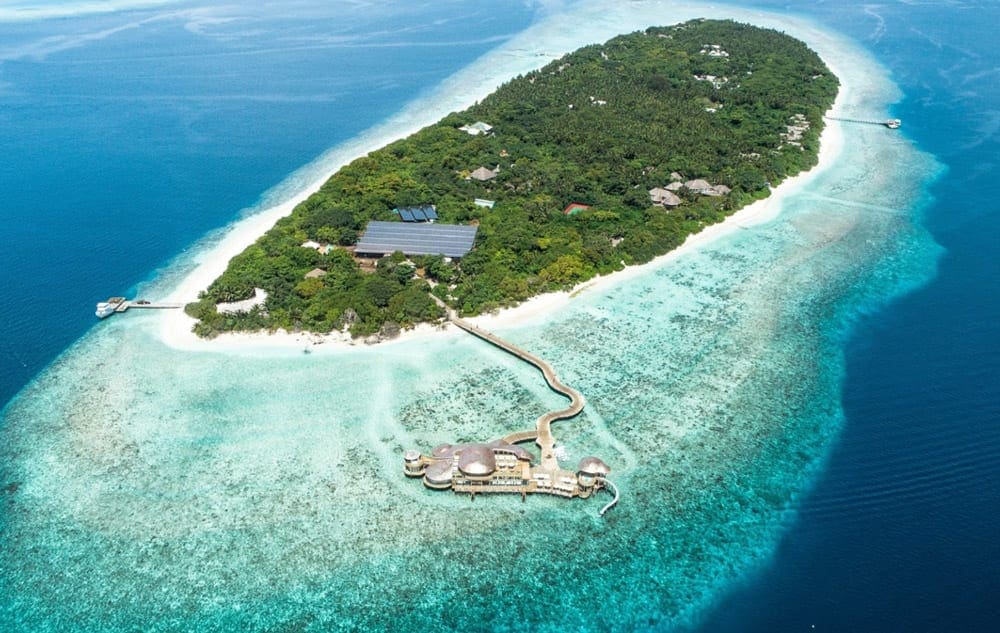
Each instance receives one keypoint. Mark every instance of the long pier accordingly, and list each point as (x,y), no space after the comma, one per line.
(892,124)
(152,305)
(115,305)
(543,426)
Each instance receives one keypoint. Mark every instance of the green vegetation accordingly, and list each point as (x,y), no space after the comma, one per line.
(601,126)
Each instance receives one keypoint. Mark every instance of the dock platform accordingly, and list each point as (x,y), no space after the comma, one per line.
(892,124)
(116,305)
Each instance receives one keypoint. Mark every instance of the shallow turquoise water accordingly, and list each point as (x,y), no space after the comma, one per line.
(169,490)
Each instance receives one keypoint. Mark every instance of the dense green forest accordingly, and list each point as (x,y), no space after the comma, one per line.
(728,103)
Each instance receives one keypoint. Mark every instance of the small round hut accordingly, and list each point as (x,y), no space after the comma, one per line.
(589,470)
(413,463)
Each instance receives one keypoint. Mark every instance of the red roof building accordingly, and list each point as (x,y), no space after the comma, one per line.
(575,207)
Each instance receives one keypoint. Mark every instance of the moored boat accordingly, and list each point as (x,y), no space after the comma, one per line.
(107,308)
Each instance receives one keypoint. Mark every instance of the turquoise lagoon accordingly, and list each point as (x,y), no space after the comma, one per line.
(157,489)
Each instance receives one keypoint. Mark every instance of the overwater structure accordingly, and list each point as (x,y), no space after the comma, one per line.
(121,304)
(502,466)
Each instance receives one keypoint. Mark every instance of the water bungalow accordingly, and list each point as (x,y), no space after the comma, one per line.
(502,467)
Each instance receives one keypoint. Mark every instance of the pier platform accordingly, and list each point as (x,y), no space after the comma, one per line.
(892,124)
(115,305)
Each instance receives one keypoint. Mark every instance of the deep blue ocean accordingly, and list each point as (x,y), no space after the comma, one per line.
(900,533)
(126,137)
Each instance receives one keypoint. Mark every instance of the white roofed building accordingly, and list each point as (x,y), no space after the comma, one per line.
(477,128)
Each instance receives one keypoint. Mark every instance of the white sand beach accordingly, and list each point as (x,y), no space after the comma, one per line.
(174,327)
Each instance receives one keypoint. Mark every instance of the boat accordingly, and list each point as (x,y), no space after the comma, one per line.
(893,124)
(107,308)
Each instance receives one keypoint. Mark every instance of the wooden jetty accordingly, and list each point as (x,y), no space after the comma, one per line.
(501,465)
(115,305)
(543,427)
(892,124)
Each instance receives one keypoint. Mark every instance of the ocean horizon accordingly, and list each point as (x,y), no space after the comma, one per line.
(801,415)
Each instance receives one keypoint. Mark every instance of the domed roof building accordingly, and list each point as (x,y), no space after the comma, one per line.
(477,460)
(593,466)
(443,450)
(502,466)
(438,475)
(589,471)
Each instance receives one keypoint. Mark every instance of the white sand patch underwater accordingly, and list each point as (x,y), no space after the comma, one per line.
(160,488)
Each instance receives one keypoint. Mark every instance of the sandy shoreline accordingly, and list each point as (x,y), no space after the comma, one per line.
(174,327)
(759,212)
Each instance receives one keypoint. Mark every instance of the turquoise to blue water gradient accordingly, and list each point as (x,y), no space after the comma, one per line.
(146,487)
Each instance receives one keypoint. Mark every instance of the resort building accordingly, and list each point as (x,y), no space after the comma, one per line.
(483,174)
(324,249)
(664,197)
(575,207)
(477,128)
(500,466)
(416,238)
(706,188)
(699,185)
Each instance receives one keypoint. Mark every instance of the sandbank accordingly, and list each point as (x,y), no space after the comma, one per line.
(458,92)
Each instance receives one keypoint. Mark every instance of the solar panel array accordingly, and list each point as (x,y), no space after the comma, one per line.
(450,240)
(423,213)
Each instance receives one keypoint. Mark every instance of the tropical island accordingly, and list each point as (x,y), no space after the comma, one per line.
(607,157)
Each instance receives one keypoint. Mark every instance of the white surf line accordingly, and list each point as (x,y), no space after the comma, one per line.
(854,204)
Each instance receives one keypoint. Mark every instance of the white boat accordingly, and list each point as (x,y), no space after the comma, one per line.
(107,308)
(104,309)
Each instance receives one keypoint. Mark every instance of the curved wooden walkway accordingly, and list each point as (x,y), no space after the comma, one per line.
(543,426)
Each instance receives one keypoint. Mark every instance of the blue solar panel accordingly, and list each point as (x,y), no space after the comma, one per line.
(421,213)
(450,240)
